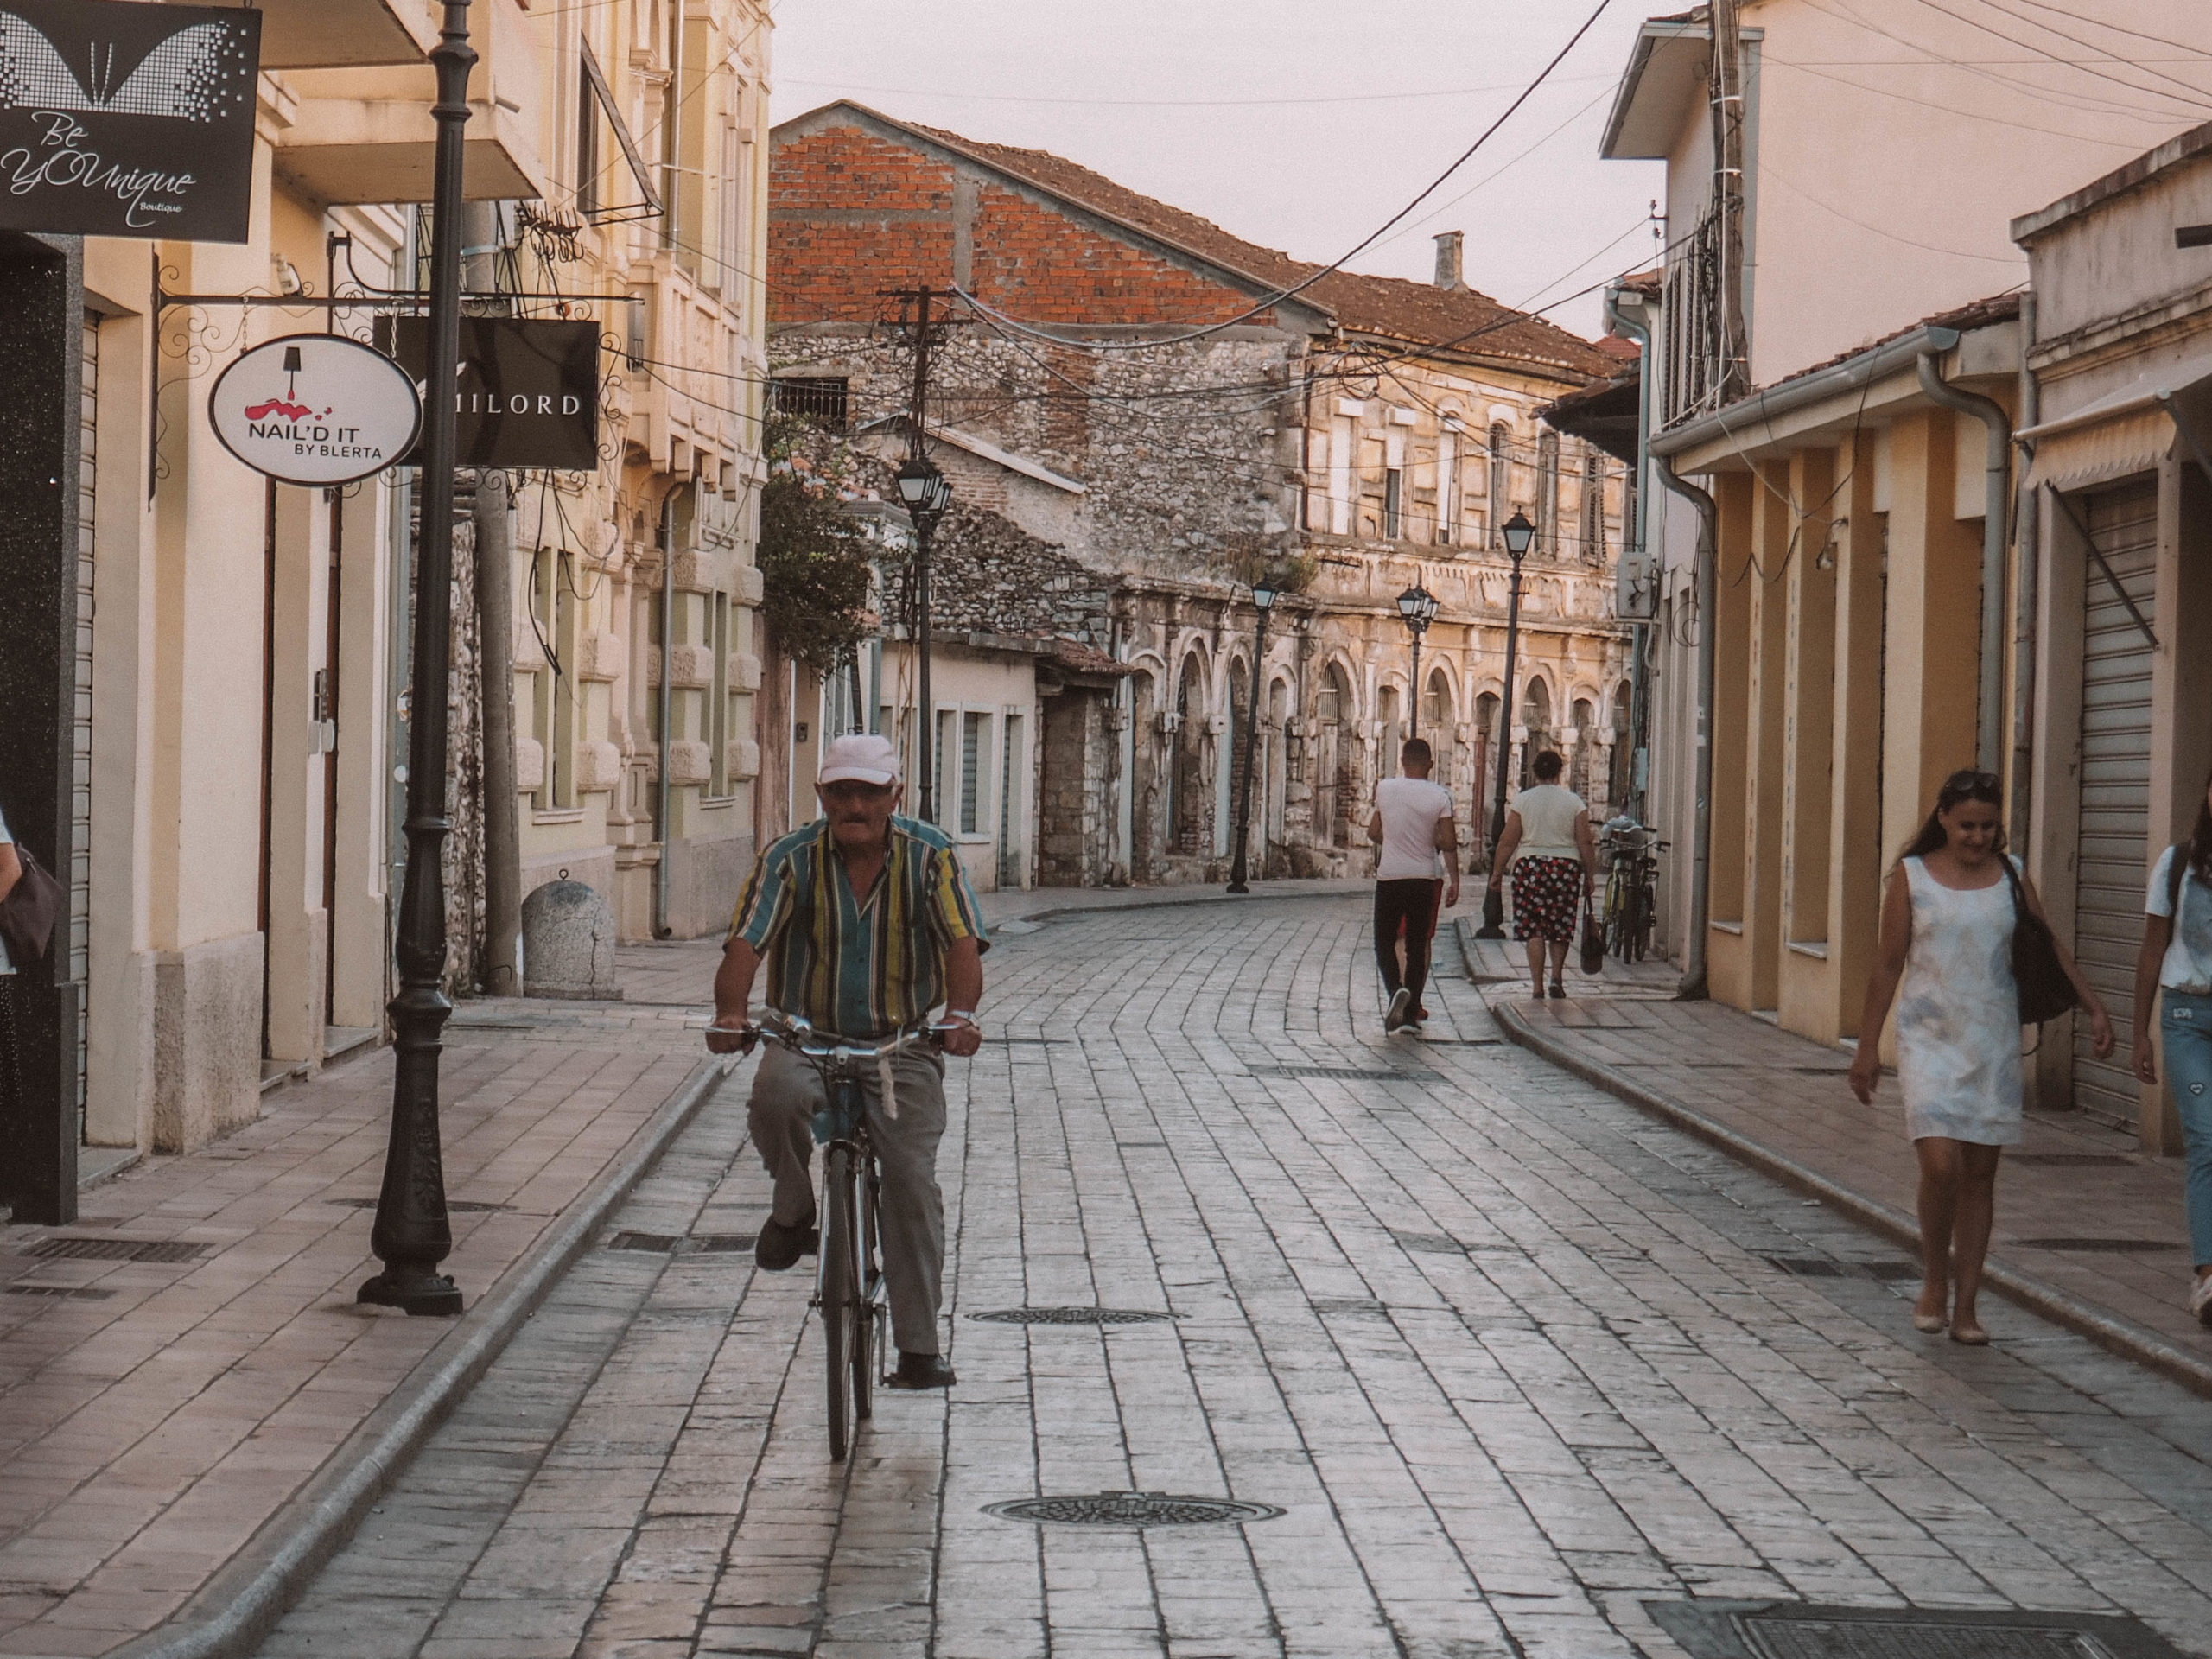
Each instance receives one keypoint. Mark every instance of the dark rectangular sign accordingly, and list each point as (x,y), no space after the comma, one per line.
(529,391)
(123,119)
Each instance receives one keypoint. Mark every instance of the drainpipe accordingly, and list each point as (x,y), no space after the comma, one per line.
(1639,633)
(1694,988)
(1997,494)
(661,929)
(2025,597)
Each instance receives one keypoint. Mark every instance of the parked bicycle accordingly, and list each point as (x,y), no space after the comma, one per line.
(1632,851)
(850,1292)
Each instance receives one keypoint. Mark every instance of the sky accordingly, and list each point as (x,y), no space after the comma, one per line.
(1299,125)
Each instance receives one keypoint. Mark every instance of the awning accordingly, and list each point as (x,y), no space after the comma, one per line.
(2134,441)
(2125,431)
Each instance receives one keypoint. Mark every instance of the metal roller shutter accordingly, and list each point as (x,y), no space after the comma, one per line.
(2113,850)
(80,746)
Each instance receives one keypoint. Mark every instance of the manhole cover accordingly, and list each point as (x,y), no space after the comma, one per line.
(2116,1246)
(1071,1316)
(1342,1073)
(1807,1266)
(2071,1160)
(1131,1510)
(73,1293)
(1722,1630)
(662,1243)
(1430,1243)
(113,1250)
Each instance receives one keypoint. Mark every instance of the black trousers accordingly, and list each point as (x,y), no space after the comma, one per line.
(1407,907)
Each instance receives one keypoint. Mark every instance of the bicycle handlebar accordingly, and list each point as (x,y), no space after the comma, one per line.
(790,1032)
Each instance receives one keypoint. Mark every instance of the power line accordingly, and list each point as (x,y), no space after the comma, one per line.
(1184,103)
(1769,59)
(1373,237)
(2194,95)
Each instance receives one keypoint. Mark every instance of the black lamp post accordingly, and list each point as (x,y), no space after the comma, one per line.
(1264,594)
(1518,532)
(927,492)
(1418,607)
(412,1234)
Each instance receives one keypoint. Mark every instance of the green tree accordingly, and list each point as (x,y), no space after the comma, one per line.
(814,561)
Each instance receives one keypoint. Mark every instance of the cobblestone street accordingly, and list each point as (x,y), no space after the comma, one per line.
(1512,1359)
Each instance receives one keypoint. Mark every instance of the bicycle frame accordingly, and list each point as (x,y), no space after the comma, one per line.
(850,1292)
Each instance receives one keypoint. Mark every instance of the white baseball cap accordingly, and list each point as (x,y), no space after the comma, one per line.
(859,757)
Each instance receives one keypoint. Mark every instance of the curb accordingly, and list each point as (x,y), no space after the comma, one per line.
(234,1612)
(2128,1340)
(1198,897)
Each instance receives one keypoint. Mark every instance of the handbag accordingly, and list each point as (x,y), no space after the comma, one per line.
(2045,991)
(1594,938)
(29,912)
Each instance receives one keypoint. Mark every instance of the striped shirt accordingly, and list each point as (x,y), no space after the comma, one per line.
(860,968)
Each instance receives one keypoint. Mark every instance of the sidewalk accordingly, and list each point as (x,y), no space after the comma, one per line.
(2089,1232)
(187,1360)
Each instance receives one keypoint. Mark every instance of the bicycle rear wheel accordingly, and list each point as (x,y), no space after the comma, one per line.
(840,1298)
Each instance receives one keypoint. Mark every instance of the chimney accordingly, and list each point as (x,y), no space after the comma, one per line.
(1447,261)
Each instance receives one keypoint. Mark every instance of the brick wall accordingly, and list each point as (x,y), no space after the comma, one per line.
(851,212)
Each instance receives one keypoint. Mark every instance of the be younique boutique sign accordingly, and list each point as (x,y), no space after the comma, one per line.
(119,119)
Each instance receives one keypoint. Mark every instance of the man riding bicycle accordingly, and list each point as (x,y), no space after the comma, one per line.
(867,922)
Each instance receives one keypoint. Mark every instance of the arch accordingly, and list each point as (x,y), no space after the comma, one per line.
(1333,752)
(1582,740)
(1190,816)
(1534,716)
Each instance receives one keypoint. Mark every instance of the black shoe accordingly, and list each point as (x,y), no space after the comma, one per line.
(922,1372)
(779,1247)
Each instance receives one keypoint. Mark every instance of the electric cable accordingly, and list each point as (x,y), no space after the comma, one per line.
(1372,237)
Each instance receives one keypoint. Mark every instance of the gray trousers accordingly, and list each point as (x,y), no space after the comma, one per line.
(787,1093)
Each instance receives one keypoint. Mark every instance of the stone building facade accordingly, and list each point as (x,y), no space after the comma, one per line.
(1145,393)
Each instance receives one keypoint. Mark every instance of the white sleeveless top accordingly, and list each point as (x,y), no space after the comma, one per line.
(1548,814)
(1959,1014)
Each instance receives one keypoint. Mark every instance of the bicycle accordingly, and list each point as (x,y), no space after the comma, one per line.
(1631,909)
(849,1291)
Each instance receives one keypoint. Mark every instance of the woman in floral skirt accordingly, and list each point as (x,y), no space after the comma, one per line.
(1548,846)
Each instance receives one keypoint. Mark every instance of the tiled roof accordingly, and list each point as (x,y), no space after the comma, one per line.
(1978,313)
(1416,313)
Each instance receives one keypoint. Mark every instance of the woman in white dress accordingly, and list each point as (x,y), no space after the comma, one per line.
(1947,915)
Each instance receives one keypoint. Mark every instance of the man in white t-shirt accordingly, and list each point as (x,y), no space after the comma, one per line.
(1419,841)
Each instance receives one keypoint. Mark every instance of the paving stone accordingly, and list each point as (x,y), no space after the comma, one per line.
(1596,1390)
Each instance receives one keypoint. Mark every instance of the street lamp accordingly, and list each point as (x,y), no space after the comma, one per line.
(1417,606)
(1518,533)
(927,492)
(1264,594)
(412,1233)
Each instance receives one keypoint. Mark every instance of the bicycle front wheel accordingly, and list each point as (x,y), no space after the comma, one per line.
(867,1333)
(841,1299)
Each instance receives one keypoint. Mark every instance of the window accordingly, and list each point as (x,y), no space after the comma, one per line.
(1394,484)
(1548,495)
(974,737)
(1593,510)
(1500,482)
(1447,486)
(817,398)
(1344,474)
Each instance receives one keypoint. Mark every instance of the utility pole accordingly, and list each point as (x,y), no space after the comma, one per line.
(1734,379)
(925,337)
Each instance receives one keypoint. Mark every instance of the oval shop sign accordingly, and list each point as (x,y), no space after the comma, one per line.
(316,409)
